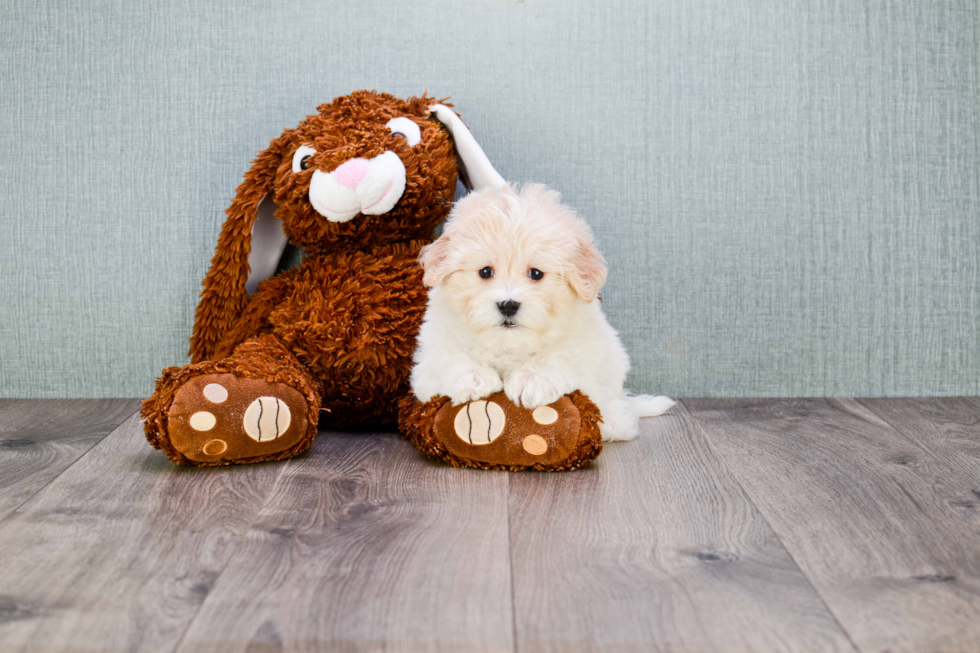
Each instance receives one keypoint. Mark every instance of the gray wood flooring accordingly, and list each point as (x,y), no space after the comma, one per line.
(727,525)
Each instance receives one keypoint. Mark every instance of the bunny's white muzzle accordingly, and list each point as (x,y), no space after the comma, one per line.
(367,186)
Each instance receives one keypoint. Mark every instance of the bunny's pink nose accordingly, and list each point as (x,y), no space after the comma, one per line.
(350,173)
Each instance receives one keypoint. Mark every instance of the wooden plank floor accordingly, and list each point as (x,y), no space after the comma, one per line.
(40,438)
(728,525)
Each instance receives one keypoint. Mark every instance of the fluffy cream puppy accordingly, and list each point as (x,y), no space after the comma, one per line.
(514,280)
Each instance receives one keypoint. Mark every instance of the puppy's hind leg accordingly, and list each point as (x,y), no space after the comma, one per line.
(619,420)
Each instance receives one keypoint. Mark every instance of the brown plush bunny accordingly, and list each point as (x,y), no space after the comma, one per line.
(360,185)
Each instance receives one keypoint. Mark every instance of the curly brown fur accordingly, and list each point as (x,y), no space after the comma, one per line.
(351,319)
(348,315)
(351,126)
(417,424)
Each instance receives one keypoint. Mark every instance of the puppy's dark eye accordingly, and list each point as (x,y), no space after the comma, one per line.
(535,274)
(304,163)
(486,273)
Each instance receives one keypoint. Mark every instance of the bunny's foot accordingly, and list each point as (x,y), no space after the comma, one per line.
(259,404)
(494,433)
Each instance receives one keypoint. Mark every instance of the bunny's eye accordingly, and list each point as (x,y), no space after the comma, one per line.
(302,158)
(407,128)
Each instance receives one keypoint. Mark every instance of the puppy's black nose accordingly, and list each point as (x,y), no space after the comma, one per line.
(509,307)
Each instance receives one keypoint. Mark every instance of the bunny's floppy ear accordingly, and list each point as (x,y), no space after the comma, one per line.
(224,294)
(474,166)
(268,243)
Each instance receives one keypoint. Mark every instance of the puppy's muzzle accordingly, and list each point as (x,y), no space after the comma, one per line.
(508,308)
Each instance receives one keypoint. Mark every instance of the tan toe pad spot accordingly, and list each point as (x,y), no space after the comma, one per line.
(215,447)
(215,393)
(535,445)
(545,415)
(202,421)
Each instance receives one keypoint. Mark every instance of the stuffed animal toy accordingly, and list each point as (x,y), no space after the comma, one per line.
(360,185)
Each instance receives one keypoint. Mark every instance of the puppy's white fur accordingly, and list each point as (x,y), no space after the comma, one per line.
(557,342)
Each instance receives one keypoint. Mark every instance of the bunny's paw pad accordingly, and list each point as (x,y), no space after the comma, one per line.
(493,433)
(222,418)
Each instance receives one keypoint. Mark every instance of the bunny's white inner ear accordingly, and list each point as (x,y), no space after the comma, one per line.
(474,166)
(268,244)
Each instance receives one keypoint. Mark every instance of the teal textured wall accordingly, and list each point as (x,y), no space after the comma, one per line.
(787,192)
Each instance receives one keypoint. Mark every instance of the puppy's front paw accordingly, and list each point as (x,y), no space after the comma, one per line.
(532,390)
(475,384)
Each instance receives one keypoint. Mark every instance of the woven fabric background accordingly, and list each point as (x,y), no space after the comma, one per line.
(786,191)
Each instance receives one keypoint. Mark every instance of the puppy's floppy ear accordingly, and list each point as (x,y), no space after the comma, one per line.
(588,272)
(224,295)
(434,259)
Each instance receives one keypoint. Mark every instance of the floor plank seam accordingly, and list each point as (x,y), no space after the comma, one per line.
(72,464)
(905,438)
(229,559)
(510,563)
(765,519)
(899,431)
